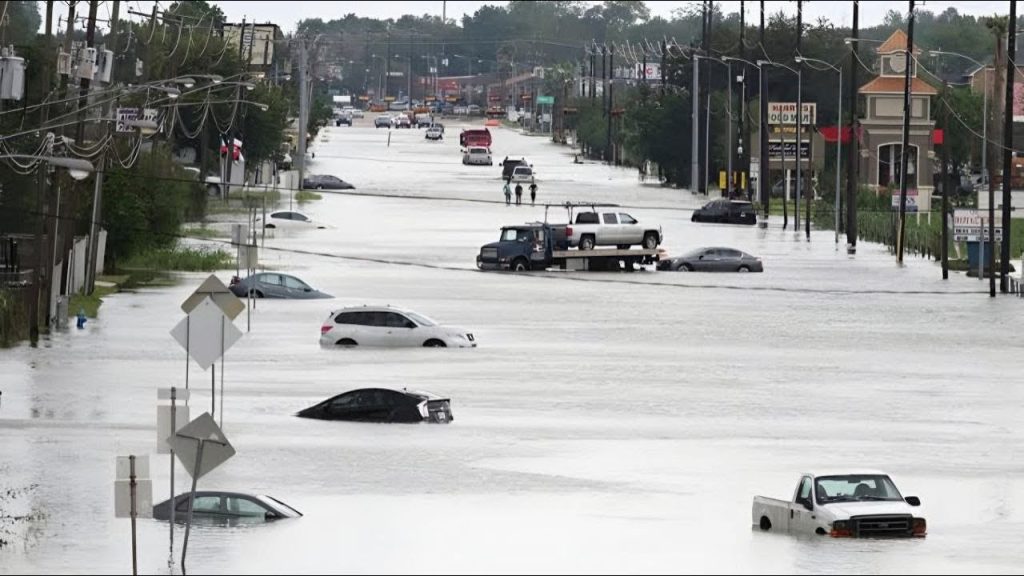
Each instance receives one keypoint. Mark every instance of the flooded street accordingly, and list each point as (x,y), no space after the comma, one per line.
(606,423)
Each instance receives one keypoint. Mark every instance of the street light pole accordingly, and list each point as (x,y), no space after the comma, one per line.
(694,142)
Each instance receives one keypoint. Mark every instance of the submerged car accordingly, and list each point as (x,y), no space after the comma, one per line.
(382,405)
(434,133)
(289,219)
(225,506)
(325,182)
(382,121)
(726,212)
(477,155)
(713,260)
(274,285)
(389,326)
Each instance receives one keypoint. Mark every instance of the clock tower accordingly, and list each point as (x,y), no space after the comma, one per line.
(882,124)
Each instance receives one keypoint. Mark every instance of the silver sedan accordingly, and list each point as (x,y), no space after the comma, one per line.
(713,260)
(274,285)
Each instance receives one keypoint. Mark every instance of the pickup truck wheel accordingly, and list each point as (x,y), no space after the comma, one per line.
(520,265)
(765,524)
(346,342)
(587,243)
(213,190)
(434,343)
(651,240)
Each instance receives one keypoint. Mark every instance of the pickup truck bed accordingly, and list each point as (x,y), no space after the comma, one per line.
(776,511)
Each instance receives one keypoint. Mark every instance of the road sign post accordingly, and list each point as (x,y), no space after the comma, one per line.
(167,425)
(200,446)
(133,495)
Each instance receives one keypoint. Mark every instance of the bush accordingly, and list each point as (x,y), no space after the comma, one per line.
(184,259)
(13,318)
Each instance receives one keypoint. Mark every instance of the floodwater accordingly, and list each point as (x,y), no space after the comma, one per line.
(607,423)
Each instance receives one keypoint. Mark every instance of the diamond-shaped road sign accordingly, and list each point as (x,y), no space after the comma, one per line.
(221,295)
(206,333)
(216,448)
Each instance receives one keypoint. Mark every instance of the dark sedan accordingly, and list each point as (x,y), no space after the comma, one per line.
(326,182)
(225,507)
(274,285)
(727,212)
(382,405)
(713,260)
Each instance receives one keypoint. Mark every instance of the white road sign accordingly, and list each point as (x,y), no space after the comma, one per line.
(124,116)
(972,226)
(216,448)
(206,333)
(143,488)
(221,295)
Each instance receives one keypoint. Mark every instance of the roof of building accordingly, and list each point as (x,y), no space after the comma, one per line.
(896,43)
(894,85)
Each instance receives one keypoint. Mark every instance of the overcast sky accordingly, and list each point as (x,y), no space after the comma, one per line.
(288,14)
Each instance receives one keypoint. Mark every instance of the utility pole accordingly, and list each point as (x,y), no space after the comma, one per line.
(611,104)
(763,184)
(905,155)
(945,182)
(707,95)
(83,100)
(304,109)
(97,198)
(695,128)
(743,150)
(799,123)
(42,269)
(408,94)
(664,74)
(604,79)
(854,156)
(387,71)
(1011,72)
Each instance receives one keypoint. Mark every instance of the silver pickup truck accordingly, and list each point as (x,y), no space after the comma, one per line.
(852,505)
(610,227)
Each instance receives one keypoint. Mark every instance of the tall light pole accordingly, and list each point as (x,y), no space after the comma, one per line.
(839,132)
(905,152)
(728,68)
(799,137)
(764,122)
(694,135)
(984,109)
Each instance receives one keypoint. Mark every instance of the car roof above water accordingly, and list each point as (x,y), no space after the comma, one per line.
(385,308)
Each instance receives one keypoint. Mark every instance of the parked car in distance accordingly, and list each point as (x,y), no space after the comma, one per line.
(288,219)
(382,121)
(473,110)
(274,285)
(228,507)
(345,119)
(434,133)
(477,155)
(523,174)
(382,405)
(844,505)
(353,111)
(611,228)
(325,182)
(713,260)
(726,211)
(424,120)
(402,121)
(391,327)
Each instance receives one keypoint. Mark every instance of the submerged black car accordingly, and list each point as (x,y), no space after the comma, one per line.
(382,405)
(727,212)
(225,507)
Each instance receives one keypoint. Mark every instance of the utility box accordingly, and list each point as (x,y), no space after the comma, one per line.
(12,77)
(104,66)
(87,64)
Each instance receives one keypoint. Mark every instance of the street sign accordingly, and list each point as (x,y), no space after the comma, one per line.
(163,424)
(775,150)
(545,99)
(972,226)
(911,200)
(123,488)
(653,71)
(206,333)
(785,113)
(216,448)
(221,295)
(124,116)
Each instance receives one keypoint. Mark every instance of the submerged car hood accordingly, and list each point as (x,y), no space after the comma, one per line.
(844,510)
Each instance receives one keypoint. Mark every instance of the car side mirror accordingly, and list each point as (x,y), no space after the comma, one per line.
(701,257)
(307,289)
(807,504)
(270,516)
(913,500)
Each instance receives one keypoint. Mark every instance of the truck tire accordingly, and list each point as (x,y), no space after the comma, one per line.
(212,190)
(650,240)
(765,524)
(520,265)
(587,242)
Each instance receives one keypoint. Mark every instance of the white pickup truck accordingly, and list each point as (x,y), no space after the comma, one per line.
(852,505)
(611,227)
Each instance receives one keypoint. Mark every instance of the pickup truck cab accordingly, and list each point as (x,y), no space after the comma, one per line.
(852,505)
(609,227)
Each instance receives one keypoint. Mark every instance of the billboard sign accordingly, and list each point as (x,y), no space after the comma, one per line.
(785,113)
